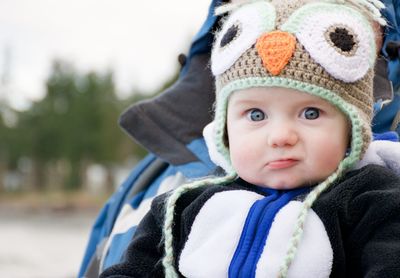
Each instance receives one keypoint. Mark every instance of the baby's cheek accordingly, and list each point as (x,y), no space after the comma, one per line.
(332,159)
(242,158)
(237,157)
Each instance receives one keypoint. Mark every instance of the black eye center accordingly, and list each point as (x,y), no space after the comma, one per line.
(230,34)
(311,113)
(256,115)
(342,39)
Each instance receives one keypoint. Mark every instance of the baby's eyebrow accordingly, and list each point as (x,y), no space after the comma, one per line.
(247,102)
(310,100)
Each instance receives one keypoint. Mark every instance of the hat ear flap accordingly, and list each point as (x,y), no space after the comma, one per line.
(215,156)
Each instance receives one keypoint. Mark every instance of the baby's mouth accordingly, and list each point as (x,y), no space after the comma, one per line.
(282,163)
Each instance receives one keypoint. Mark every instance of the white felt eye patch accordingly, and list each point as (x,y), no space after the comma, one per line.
(239,32)
(336,37)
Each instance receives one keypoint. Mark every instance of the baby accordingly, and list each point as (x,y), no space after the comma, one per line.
(292,118)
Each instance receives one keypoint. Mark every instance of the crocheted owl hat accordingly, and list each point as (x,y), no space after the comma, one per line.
(323,48)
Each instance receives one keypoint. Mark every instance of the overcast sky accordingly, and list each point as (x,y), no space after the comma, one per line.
(139,40)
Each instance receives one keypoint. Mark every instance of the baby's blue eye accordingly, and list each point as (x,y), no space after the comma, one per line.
(256,115)
(311,113)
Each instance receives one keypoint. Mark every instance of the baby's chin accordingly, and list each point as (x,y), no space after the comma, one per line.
(287,184)
(280,185)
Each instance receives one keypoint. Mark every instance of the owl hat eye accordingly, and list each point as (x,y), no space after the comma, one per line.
(340,40)
(239,32)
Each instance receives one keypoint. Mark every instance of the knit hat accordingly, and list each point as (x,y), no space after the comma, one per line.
(323,48)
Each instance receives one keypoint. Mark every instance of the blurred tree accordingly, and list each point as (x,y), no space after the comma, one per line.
(10,143)
(85,111)
(76,123)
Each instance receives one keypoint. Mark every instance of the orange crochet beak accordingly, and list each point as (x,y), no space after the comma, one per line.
(275,49)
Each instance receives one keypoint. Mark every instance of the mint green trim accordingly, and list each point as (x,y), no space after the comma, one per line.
(294,23)
(346,108)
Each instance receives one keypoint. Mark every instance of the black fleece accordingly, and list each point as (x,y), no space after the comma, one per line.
(360,213)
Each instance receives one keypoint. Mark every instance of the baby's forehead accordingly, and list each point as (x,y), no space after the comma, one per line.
(275,94)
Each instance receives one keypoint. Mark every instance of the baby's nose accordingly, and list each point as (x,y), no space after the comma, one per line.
(282,137)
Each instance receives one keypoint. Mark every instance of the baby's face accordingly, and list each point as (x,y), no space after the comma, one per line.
(282,138)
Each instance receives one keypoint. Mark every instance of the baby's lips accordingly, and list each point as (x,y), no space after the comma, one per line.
(282,163)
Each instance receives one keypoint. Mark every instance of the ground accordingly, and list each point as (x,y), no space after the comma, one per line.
(45,235)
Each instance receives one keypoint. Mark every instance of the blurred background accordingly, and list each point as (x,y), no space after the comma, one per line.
(67,71)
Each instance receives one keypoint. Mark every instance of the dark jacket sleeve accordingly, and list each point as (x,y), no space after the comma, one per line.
(374,240)
(144,254)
